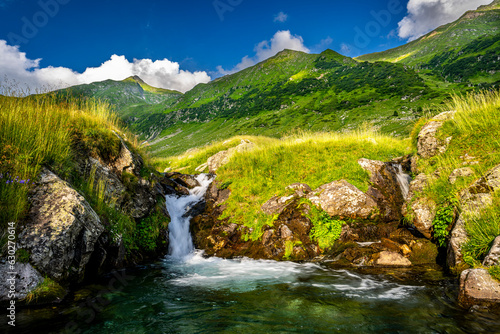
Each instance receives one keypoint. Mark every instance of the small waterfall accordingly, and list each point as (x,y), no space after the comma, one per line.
(180,241)
(403,180)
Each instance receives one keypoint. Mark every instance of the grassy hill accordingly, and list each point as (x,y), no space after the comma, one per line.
(293,90)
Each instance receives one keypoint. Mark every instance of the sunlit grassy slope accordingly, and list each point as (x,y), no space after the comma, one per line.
(312,158)
(39,131)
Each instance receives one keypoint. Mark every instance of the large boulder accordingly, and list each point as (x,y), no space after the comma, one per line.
(61,229)
(428,144)
(477,287)
(342,199)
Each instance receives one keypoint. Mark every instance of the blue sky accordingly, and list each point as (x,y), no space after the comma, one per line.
(176,44)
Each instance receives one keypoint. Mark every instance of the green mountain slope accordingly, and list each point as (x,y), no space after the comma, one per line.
(464,50)
(292,90)
(132,98)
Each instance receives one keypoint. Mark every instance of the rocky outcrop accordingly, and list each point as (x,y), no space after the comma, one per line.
(342,199)
(472,200)
(221,158)
(477,287)
(429,144)
(61,230)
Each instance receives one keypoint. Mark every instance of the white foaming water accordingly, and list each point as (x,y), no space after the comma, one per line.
(403,180)
(180,241)
(240,275)
(188,267)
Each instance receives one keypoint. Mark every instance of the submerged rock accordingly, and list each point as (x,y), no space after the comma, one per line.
(390,259)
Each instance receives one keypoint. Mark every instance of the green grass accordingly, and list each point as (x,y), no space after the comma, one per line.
(313,158)
(38,131)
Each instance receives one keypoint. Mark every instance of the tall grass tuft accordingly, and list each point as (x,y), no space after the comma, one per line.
(39,130)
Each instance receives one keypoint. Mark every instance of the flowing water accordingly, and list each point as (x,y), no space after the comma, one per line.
(189,293)
(403,180)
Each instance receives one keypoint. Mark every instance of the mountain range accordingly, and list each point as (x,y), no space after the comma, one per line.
(294,91)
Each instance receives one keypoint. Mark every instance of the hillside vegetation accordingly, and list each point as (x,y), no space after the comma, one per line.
(312,158)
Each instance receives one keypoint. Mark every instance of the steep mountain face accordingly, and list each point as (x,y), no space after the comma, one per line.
(464,50)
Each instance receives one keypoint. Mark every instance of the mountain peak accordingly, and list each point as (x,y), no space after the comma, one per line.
(135,78)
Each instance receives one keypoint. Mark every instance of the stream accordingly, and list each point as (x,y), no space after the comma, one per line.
(189,293)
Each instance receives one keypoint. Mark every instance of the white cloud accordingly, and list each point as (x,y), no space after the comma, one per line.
(426,15)
(14,65)
(281,17)
(280,41)
(345,49)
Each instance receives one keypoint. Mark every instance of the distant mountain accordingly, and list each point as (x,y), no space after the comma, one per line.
(465,50)
(132,97)
(292,90)
(315,92)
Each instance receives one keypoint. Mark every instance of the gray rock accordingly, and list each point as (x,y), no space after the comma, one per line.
(276,204)
(424,212)
(472,199)
(286,233)
(340,198)
(460,173)
(221,158)
(458,237)
(428,144)
(26,279)
(477,287)
(61,230)
(301,189)
(493,257)
(217,160)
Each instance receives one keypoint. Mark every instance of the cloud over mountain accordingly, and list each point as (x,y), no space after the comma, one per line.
(426,15)
(281,40)
(15,66)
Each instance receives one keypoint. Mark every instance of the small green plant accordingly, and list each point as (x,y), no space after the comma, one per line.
(325,230)
(47,290)
(441,223)
(288,249)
